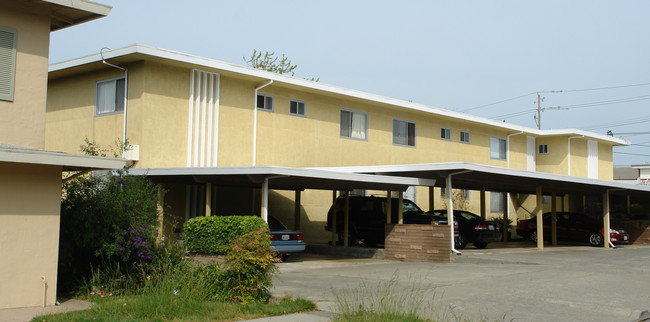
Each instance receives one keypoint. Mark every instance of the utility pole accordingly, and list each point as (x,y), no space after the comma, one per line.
(539,112)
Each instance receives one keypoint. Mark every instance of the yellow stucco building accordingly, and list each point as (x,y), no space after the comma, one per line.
(186,111)
(30,177)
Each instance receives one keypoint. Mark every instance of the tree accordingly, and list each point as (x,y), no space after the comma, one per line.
(269,62)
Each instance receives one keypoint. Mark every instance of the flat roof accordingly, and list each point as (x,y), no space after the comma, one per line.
(281,178)
(139,52)
(68,162)
(66,13)
(477,176)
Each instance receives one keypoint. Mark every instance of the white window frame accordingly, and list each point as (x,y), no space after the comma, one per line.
(403,141)
(8,38)
(542,148)
(349,125)
(501,141)
(298,102)
(445,133)
(464,137)
(117,99)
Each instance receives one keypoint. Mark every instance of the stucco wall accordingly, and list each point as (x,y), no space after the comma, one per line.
(22,120)
(30,197)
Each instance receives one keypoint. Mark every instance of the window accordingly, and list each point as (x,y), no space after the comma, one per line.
(265,102)
(403,132)
(465,194)
(496,201)
(7,63)
(542,149)
(354,124)
(546,199)
(445,133)
(497,148)
(297,108)
(110,96)
(464,136)
(443,192)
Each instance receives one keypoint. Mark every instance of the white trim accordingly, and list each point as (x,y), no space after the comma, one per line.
(265,75)
(66,160)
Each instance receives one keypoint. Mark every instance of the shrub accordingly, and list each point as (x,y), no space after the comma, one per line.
(215,234)
(250,265)
(95,214)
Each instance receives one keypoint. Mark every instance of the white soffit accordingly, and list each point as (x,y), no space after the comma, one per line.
(277,78)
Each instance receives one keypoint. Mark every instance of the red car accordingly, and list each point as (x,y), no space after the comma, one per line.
(574,227)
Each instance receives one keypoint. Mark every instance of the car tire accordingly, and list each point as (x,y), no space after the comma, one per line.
(480,245)
(461,242)
(352,238)
(284,257)
(533,237)
(596,239)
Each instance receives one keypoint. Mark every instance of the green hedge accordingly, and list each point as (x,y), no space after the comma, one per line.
(215,234)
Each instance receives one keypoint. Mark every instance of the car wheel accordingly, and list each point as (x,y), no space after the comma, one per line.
(533,237)
(461,242)
(352,238)
(284,257)
(596,239)
(480,245)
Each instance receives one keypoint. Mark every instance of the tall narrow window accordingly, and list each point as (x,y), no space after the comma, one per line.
(7,63)
(496,201)
(403,132)
(498,148)
(445,133)
(110,96)
(297,107)
(354,124)
(265,102)
(464,136)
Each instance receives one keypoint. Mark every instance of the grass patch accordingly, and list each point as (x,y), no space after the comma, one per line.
(173,308)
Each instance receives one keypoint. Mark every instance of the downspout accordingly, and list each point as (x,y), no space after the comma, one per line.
(508,147)
(569,150)
(450,211)
(126,89)
(255,121)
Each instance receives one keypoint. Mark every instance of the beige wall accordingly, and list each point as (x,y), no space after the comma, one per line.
(29,233)
(22,121)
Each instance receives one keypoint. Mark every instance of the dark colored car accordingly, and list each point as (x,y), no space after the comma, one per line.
(285,241)
(472,228)
(367,218)
(573,227)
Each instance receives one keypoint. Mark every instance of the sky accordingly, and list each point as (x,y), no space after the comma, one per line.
(588,60)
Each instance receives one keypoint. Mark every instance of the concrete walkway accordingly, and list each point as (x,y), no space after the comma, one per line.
(28,313)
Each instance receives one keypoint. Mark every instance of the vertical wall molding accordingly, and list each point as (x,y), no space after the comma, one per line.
(203,119)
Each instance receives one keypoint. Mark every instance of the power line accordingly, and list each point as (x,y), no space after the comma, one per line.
(601,103)
(603,88)
(637,154)
(618,123)
(499,102)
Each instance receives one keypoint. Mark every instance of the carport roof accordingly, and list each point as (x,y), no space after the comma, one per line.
(477,176)
(283,178)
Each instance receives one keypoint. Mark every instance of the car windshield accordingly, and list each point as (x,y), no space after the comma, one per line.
(407,205)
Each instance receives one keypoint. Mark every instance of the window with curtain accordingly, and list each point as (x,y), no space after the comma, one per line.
(403,132)
(464,136)
(354,125)
(110,96)
(498,148)
(445,133)
(297,107)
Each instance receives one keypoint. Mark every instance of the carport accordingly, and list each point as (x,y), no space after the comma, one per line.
(463,175)
(283,178)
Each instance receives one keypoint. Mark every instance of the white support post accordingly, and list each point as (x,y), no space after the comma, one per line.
(208,199)
(400,208)
(553,219)
(346,220)
(606,238)
(265,200)
(450,214)
(334,211)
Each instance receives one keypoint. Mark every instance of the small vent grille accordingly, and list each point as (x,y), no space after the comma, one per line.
(7,62)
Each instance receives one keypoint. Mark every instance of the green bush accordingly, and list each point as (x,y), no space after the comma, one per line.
(249,269)
(100,215)
(215,234)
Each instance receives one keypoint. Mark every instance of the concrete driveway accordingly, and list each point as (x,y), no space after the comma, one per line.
(572,283)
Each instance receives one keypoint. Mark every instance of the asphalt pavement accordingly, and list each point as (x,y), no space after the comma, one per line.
(565,283)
